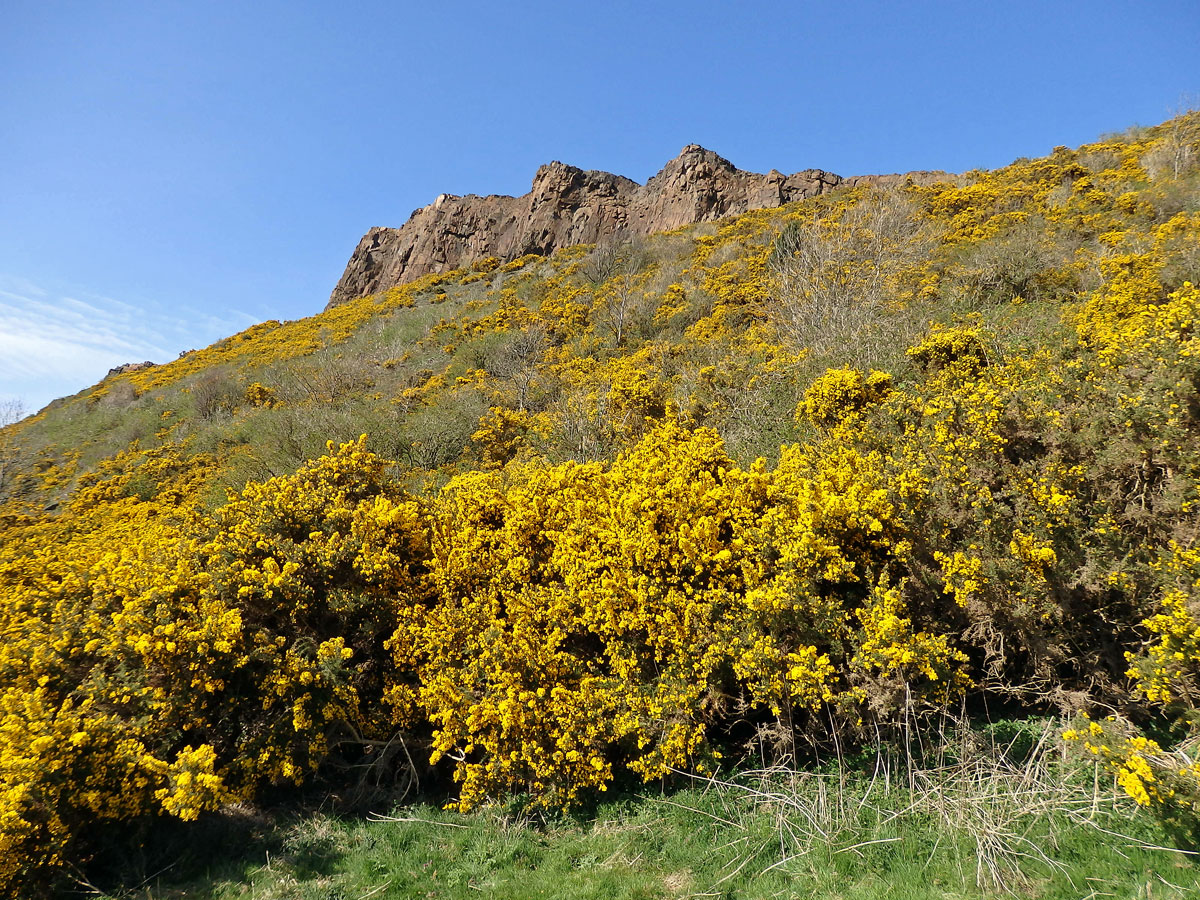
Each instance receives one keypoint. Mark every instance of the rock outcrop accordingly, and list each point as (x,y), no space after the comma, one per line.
(566,206)
(125,368)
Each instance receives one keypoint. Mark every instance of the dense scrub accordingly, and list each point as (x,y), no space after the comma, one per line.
(786,483)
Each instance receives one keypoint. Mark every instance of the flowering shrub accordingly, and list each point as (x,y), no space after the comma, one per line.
(891,648)
(1167,673)
(260,395)
(593,618)
(840,393)
(586,616)
(958,350)
(1166,782)
(168,663)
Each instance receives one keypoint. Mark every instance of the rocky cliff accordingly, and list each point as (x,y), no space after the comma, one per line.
(566,206)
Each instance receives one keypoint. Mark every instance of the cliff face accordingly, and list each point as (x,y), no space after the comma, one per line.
(566,206)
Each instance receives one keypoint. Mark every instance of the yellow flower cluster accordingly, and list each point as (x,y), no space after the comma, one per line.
(161,661)
(840,393)
(1169,671)
(590,617)
(890,646)
(259,395)
(958,351)
(1149,775)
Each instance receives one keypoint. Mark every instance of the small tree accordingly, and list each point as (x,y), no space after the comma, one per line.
(518,361)
(1178,148)
(11,410)
(833,273)
(615,268)
(610,257)
(618,302)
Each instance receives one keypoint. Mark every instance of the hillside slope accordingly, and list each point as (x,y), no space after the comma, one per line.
(794,479)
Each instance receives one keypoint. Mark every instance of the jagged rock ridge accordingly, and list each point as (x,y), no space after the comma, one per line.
(566,206)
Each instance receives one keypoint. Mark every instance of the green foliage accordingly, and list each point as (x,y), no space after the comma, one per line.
(977,828)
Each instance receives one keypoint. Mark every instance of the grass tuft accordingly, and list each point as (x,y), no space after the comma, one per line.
(985,814)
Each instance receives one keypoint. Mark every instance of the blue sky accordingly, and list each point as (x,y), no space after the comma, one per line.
(173,172)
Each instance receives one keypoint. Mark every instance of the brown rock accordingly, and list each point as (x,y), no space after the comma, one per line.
(567,206)
(129,367)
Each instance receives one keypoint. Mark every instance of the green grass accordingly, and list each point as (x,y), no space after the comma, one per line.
(1039,827)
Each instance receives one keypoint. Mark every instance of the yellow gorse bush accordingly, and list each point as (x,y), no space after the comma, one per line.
(161,661)
(840,393)
(590,617)
(552,625)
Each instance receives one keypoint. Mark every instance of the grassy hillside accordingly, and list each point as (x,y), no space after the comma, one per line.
(790,486)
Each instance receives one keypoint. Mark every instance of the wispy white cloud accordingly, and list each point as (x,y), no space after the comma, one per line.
(52,345)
